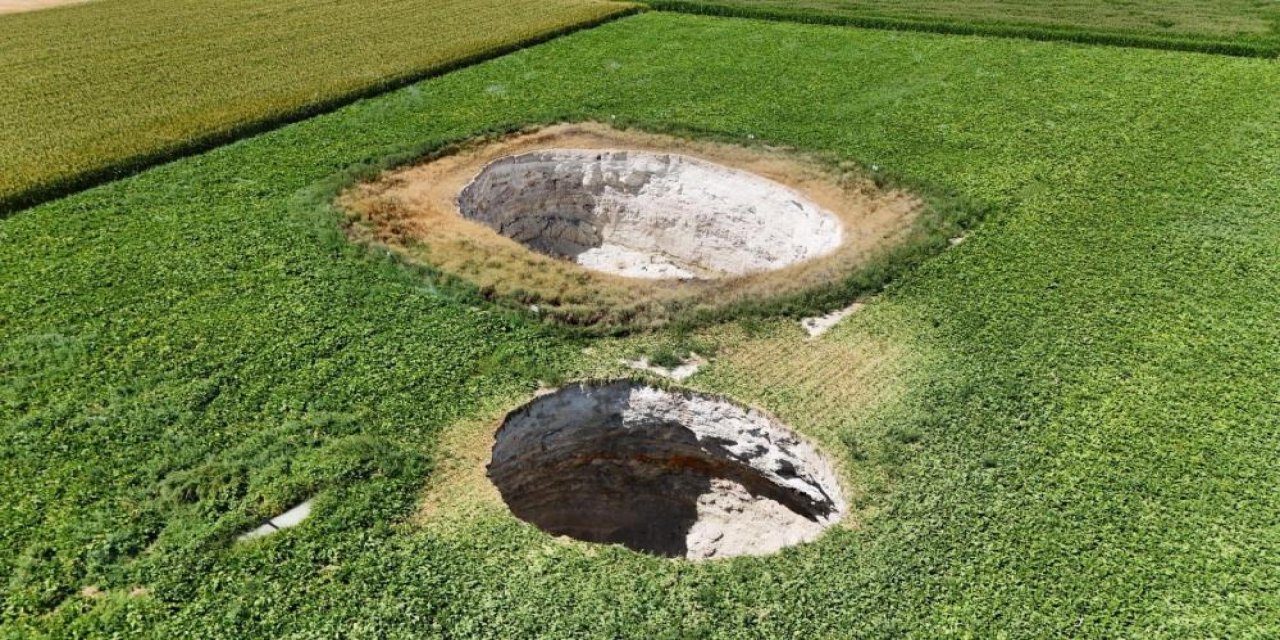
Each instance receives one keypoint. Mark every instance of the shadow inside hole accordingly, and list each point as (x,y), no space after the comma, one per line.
(640,489)
(546,209)
(557,233)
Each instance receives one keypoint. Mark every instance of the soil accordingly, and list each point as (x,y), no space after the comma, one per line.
(23,6)
(679,373)
(819,325)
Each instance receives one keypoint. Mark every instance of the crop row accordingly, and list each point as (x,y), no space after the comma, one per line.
(94,92)
(1176,28)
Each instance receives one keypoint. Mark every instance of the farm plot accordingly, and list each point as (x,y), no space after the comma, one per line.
(1238,27)
(101,88)
(1064,426)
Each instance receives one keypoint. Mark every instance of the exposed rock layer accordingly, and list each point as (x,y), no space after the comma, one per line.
(648,215)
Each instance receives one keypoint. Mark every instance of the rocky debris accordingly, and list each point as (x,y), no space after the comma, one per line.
(291,518)
(819,325)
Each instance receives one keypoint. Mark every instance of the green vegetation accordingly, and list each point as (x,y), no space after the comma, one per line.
(1074,436)
(677,348)
(1235,27)
(97,90)
(669,357)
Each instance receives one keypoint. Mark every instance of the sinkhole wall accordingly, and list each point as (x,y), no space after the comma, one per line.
(650,215)
(669,472)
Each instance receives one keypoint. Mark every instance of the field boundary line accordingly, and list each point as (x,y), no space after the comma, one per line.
(1029,32)
(23,199)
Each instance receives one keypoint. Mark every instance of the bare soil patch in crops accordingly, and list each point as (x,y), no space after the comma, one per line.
(670,472)
(591,224)
(22,6)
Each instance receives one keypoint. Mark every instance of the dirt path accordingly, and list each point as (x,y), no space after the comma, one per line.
(22,6)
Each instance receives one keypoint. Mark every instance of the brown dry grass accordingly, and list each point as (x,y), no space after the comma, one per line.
(414,211)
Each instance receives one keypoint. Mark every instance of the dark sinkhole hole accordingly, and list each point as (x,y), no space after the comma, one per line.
(669,472)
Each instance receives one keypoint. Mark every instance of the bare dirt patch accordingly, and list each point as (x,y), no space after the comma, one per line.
(22,6)
(679,373)
(415,210)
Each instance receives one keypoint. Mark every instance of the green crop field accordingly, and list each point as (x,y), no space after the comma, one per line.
(1064,426)
(97,89)
(1239,27)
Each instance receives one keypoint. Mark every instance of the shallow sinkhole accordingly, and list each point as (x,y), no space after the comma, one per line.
(669,472)
(648,215)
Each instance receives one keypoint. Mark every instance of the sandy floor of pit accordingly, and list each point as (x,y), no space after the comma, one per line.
(22,6)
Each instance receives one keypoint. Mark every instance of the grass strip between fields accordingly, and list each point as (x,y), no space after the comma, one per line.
(1254,49)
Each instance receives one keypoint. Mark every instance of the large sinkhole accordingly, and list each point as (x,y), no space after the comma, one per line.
(648,215)
(668,472)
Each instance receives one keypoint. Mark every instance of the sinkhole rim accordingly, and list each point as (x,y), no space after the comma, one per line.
(663,470)
(412,210)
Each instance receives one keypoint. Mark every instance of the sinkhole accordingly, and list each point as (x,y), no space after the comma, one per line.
(669,472)
(644,214)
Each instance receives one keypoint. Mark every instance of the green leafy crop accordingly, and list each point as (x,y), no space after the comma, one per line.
(1085,444)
